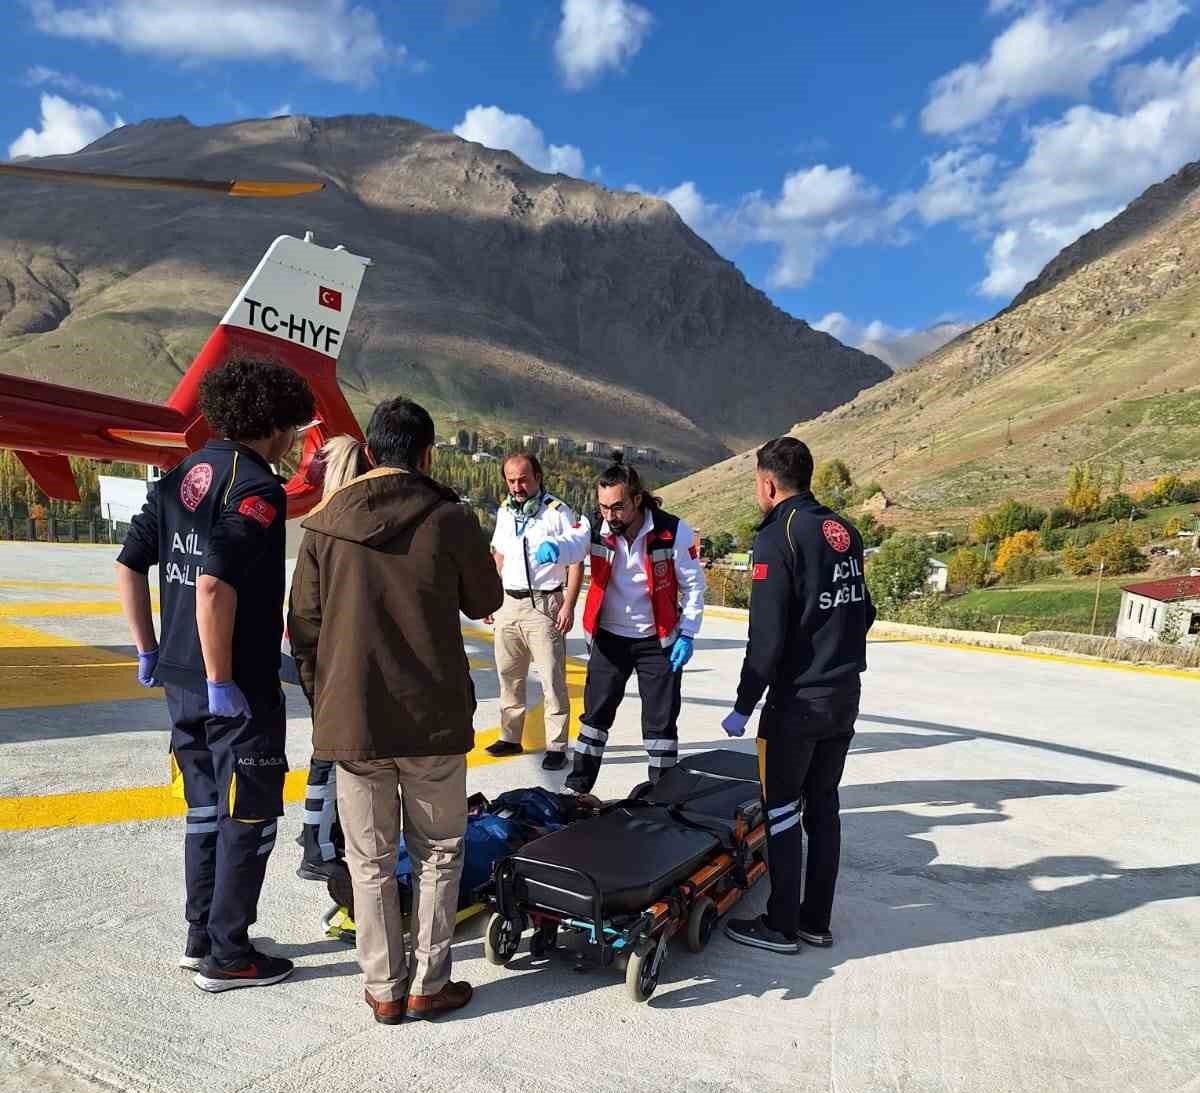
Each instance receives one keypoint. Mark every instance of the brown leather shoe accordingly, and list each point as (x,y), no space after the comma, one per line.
(387,1013)
(453,996)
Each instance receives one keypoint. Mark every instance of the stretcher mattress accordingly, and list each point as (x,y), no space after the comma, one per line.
(638,851)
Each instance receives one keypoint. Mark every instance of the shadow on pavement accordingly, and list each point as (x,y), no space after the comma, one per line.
(894,896)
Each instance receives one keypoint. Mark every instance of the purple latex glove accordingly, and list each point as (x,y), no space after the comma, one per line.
(735,723)
(227,700)
(147,662)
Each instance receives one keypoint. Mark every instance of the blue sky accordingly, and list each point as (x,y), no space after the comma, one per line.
(877,168)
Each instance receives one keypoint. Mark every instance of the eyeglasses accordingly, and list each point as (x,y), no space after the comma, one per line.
(613,510)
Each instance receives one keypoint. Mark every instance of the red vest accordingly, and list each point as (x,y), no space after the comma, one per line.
(663,585)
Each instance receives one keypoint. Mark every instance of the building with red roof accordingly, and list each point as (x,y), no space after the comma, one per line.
(1170,603)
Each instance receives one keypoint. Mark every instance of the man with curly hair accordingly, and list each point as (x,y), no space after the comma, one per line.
(214,526)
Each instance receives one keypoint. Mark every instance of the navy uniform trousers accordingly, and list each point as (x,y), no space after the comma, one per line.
(233,771)
(611,661)
(803,744)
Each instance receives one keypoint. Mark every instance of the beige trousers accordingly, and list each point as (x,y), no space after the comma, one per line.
(430,795)
(525,631)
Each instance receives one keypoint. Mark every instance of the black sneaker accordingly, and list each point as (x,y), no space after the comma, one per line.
(324,871)
(193,956)
(823,939)
(253,970)
(554,760)
(756,932)
(502,749)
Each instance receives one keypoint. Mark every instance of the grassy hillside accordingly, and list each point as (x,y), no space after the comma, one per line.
(1102,366)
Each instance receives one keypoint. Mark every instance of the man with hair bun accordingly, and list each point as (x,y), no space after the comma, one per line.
(214,526)
(643,611)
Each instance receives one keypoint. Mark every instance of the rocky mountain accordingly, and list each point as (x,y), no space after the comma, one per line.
(498,295)
(1097,360)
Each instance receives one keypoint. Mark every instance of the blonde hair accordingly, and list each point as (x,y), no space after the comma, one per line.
(344,459)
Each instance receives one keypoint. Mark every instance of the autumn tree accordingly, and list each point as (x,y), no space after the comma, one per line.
(1027,543)
(1083,490)
(966,569)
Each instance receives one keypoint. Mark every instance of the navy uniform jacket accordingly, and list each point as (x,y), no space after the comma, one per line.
(222,512)
(809,606)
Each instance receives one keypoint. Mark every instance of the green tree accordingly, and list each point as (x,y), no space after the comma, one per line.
(832,485)
(1119,553)
(744,533)
(900,568)
(967,569)
(1014,516)
(1118,481)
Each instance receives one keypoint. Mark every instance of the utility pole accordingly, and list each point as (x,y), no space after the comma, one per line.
(1096,605)
(1008,431)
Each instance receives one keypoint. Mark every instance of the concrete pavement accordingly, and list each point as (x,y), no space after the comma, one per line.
(1019,907)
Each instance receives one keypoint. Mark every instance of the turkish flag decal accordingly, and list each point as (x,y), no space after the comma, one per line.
(258,510)
(330,298)
(760,571)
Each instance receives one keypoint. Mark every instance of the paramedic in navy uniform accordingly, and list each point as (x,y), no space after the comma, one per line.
(809,616)
(643,611)
(214,526)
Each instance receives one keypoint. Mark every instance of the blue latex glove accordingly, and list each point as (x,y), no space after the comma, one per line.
(735,723)
(147,662)
(681,652)
(547,554)
(227,700)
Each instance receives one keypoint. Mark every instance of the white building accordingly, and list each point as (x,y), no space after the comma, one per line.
(534,442)
(1147,607)
(939,575)
(483,457)
(564,445)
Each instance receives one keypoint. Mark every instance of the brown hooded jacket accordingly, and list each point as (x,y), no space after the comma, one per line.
(386,565)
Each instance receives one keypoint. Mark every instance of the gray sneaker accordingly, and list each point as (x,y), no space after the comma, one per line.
(756,932)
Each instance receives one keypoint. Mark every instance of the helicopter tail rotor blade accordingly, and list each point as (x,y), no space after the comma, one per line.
(232,188)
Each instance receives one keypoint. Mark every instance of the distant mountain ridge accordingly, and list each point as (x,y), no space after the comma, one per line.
(1097,360)
(498,294)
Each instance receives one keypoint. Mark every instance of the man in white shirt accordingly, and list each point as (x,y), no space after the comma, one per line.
(644,609)
(539,547)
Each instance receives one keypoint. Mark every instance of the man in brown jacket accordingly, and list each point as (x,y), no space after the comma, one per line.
(387,564)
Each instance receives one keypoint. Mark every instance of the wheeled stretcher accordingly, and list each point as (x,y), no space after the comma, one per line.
(618,886)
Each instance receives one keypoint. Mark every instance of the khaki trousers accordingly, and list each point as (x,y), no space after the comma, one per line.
(430,795)
(525,631)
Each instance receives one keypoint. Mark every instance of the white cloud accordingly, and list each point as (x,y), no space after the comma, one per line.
(65,127)
(41,76)
(1019,252)
(283,110)
(896,347)
(1043,53)
(496,128)
(336,39)
(956,187)
(818,208)
(1083,167)
(596,35)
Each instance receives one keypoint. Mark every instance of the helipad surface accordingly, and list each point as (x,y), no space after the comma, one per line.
(1019,905)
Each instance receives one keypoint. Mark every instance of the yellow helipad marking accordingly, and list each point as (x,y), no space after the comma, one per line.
(57,609)
(59,586)
(50,670)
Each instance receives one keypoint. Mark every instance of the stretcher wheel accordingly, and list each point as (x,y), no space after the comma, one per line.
(543,940)
(701,920)
(502,940)
(641,973)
